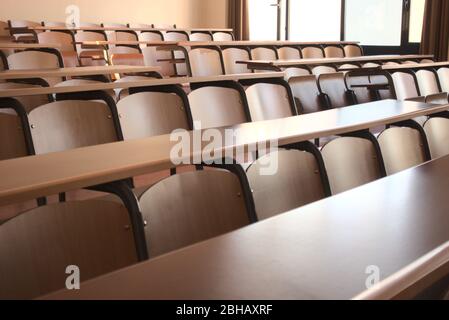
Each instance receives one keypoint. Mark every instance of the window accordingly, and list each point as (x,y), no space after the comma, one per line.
(317,20)
(263,19)
(416,20)
(374,22)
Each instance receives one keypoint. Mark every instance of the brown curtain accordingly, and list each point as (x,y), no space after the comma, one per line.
(435,38)
(238,18)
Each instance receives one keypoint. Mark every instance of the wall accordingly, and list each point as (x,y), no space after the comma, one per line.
(184,13)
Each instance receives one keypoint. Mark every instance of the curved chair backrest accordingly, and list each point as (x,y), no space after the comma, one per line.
(405,85)
(63,39)
(334,86)
(205,62)
(222,36)
(312,52)
(128,56)
(27,36)
(289,53)
(268,101)
(231,55)
(323,70)
(151,36)
(402,148)
(15,137)
(334,52)
(119,35)
(443,76)
(218,106)
(383,79)
(40,244)
(264,53)
(295,72)
(82,36)
(192,207)
(35,59)
(28,102)
(352,50)
(71,124)
(307,94)
(148,114)
(200,36)
(351,162)
(427,82)
(437,132)
(300,179)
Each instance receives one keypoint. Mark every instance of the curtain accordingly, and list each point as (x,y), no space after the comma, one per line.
(238,18)
(435,38)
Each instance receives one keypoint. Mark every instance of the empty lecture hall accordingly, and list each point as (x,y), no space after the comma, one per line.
(195,151)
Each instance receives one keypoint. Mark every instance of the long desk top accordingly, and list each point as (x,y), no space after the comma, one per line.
(134,84)
(33,177)
(16,45)
(324,61)
(127,43)
(44,28)
(321,251)
(73,72)
(261,43)
(415,66)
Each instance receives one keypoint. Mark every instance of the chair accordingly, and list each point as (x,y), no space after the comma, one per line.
(200,36)
(36,59)
(152,57)
(91,56)
(188,208)
(352,50)
(124,55)
(405,85)
(363,94)
(15,137)
(334,52)
(437,132)
(307,94)
(443,76)
(231,55)
(22,34)
(404,146)
(323,70)
(352,161)
(66,41)
(333,86)
(40,244)
(28,102)
(295,72)
(222,36)
(79,120)
(300,179)
(221,105)
(264,53)
(427,82)
(205,62)
(120,35)
(311,52)
(289,53)
(269,99)
(153,111)
(178,36)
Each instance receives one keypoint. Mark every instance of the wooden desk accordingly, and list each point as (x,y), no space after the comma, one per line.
(416,66)
(14,45)
(321,251)
(258,43)
(43,28)
(279,64)
(125,43)
(44,175)
(73,72)
(135,84)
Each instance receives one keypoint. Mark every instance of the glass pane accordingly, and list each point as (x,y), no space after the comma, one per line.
(416,20)
(263,15)
(315,20)
(374,22)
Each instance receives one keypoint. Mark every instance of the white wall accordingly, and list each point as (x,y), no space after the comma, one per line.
(184,13)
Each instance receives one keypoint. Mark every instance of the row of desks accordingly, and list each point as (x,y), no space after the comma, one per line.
(91,28)
(326,250)
(49,174)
